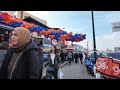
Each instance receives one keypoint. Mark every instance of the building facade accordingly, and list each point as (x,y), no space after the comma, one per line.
(23,14)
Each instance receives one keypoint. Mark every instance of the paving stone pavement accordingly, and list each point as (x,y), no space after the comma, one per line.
(76,71)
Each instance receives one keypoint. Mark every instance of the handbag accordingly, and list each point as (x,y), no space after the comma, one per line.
(50,69)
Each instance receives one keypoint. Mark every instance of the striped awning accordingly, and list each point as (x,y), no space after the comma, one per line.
(5,26)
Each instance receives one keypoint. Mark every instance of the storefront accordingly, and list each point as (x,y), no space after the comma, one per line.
(4,34)
(47,45)
(59,45)
(4,31)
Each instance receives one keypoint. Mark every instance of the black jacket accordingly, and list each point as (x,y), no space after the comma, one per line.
(76,55)
(62,55)
(80,55)
(40,55)
(27,66)
(56,61)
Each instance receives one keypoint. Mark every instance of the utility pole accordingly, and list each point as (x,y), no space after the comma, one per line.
(21,15)
(94,42)
(87,47)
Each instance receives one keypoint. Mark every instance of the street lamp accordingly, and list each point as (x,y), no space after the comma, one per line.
(87,47)
(94,42)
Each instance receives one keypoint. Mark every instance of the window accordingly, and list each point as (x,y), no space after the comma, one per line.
(46,41)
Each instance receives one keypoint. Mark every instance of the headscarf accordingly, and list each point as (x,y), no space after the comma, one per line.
(24,36)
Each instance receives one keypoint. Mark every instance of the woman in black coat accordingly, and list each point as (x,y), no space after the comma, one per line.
(21,60)
(40,55)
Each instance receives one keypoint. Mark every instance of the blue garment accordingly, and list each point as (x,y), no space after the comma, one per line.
(89,63)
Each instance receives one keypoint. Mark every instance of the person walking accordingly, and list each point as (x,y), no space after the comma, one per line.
(76,57)
(3,43)
(40,55)
(65,55)
(53,64)
(69,57)
(72,56)
(81,57)
(62,55)
(21,60)
(86,56)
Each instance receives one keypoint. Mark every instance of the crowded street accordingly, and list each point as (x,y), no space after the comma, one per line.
(35,47)
(74,71)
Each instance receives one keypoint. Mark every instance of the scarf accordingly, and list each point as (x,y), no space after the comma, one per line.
(11,63)
(24,36)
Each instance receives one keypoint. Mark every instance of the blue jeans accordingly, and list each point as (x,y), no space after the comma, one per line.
(52,73)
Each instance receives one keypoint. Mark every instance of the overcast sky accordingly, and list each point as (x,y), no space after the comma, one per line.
(80,22)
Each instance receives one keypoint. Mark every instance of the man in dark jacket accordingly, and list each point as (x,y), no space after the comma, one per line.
(81,57)
(62,55)
(76,57)
(72,56)
(40,55)
(3,43)
(65,55)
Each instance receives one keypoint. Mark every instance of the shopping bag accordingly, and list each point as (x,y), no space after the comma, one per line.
(98,76)
(60,74)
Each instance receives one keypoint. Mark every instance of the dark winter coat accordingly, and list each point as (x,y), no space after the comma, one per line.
(76,55)
(56,62)
(40,55)
(62,55)
(81,56)
(27,66)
